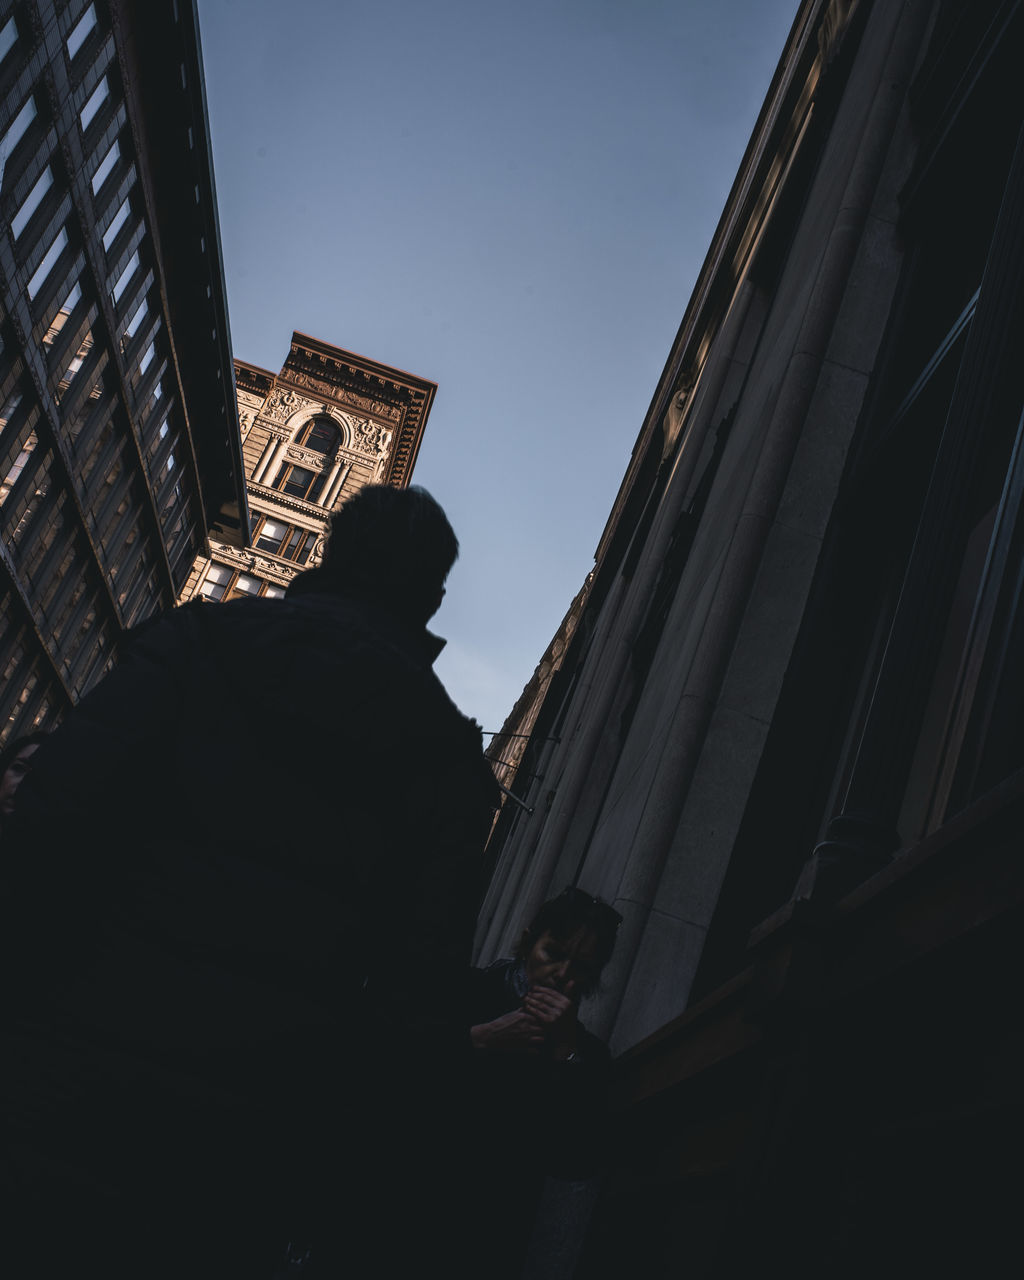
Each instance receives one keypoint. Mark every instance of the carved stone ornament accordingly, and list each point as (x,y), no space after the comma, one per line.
(378,407)
(317,554)
(272,570)
(274,429)
(284,402)
(314,460)
(370,438)
(249,400)
(234,555)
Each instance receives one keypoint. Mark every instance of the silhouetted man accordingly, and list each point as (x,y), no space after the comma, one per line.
(240,895)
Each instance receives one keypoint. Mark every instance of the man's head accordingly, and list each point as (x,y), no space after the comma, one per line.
(569,942)
(15,762)
(393,546)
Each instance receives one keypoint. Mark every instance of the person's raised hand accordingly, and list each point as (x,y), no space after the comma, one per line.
(555,1013)
(515,1032)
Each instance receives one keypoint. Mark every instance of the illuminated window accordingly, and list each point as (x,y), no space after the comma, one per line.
(284,540)
(18,466)
(48,263)
(147,358)
(77,360)
(15,132)
(106,167)
(60,319)
(8,38)
(32,202)
(120,218)
(224,583)
(247,585)
(96,100)
(125,276)
(299,482)
(131,328)
(81,30)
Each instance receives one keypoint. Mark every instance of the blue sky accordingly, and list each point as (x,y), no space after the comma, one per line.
(513,200)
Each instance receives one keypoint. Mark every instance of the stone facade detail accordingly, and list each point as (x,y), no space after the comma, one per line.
(285,403)
(377,407)
(380,414)
(370,437)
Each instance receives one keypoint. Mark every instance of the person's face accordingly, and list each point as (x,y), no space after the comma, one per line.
(569,964)
(13,775)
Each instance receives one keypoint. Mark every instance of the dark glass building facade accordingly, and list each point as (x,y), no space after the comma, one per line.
(119,446)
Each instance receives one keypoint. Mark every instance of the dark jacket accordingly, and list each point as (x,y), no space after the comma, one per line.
(258,837)
(534,1117)
(557,1109)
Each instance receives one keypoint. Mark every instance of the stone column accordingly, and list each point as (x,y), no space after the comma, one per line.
(271,456)
(329,483)
(338,476)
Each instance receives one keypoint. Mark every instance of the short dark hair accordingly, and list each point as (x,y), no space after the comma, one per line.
(393,545)
(575,909)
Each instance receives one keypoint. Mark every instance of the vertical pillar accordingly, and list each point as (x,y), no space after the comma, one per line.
(325,499)
(275,448)
(334,485)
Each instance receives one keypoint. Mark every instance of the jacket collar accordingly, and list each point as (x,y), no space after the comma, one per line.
(414,640)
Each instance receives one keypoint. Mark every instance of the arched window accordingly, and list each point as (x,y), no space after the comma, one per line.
(320,435)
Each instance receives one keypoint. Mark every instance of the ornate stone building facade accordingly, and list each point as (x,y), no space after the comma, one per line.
(119,445)
(329,423)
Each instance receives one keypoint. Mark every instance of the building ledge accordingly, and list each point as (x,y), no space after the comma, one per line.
(961,881)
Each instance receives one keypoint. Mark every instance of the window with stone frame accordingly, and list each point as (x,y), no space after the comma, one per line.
(320,435)
(299,482)
(215,584)
(225,583)
(285,540)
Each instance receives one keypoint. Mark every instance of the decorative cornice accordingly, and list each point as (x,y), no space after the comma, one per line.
(251,378)
(348,396)
(398,400)
(264,564)
(275,429)
(313,524)
(393,405)
(315,461)
(288,502)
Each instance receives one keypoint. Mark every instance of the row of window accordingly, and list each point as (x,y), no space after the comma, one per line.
(113,451)
(224,583)
(285,540)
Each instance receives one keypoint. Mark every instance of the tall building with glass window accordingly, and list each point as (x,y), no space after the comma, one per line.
(119,448)
(329,423)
